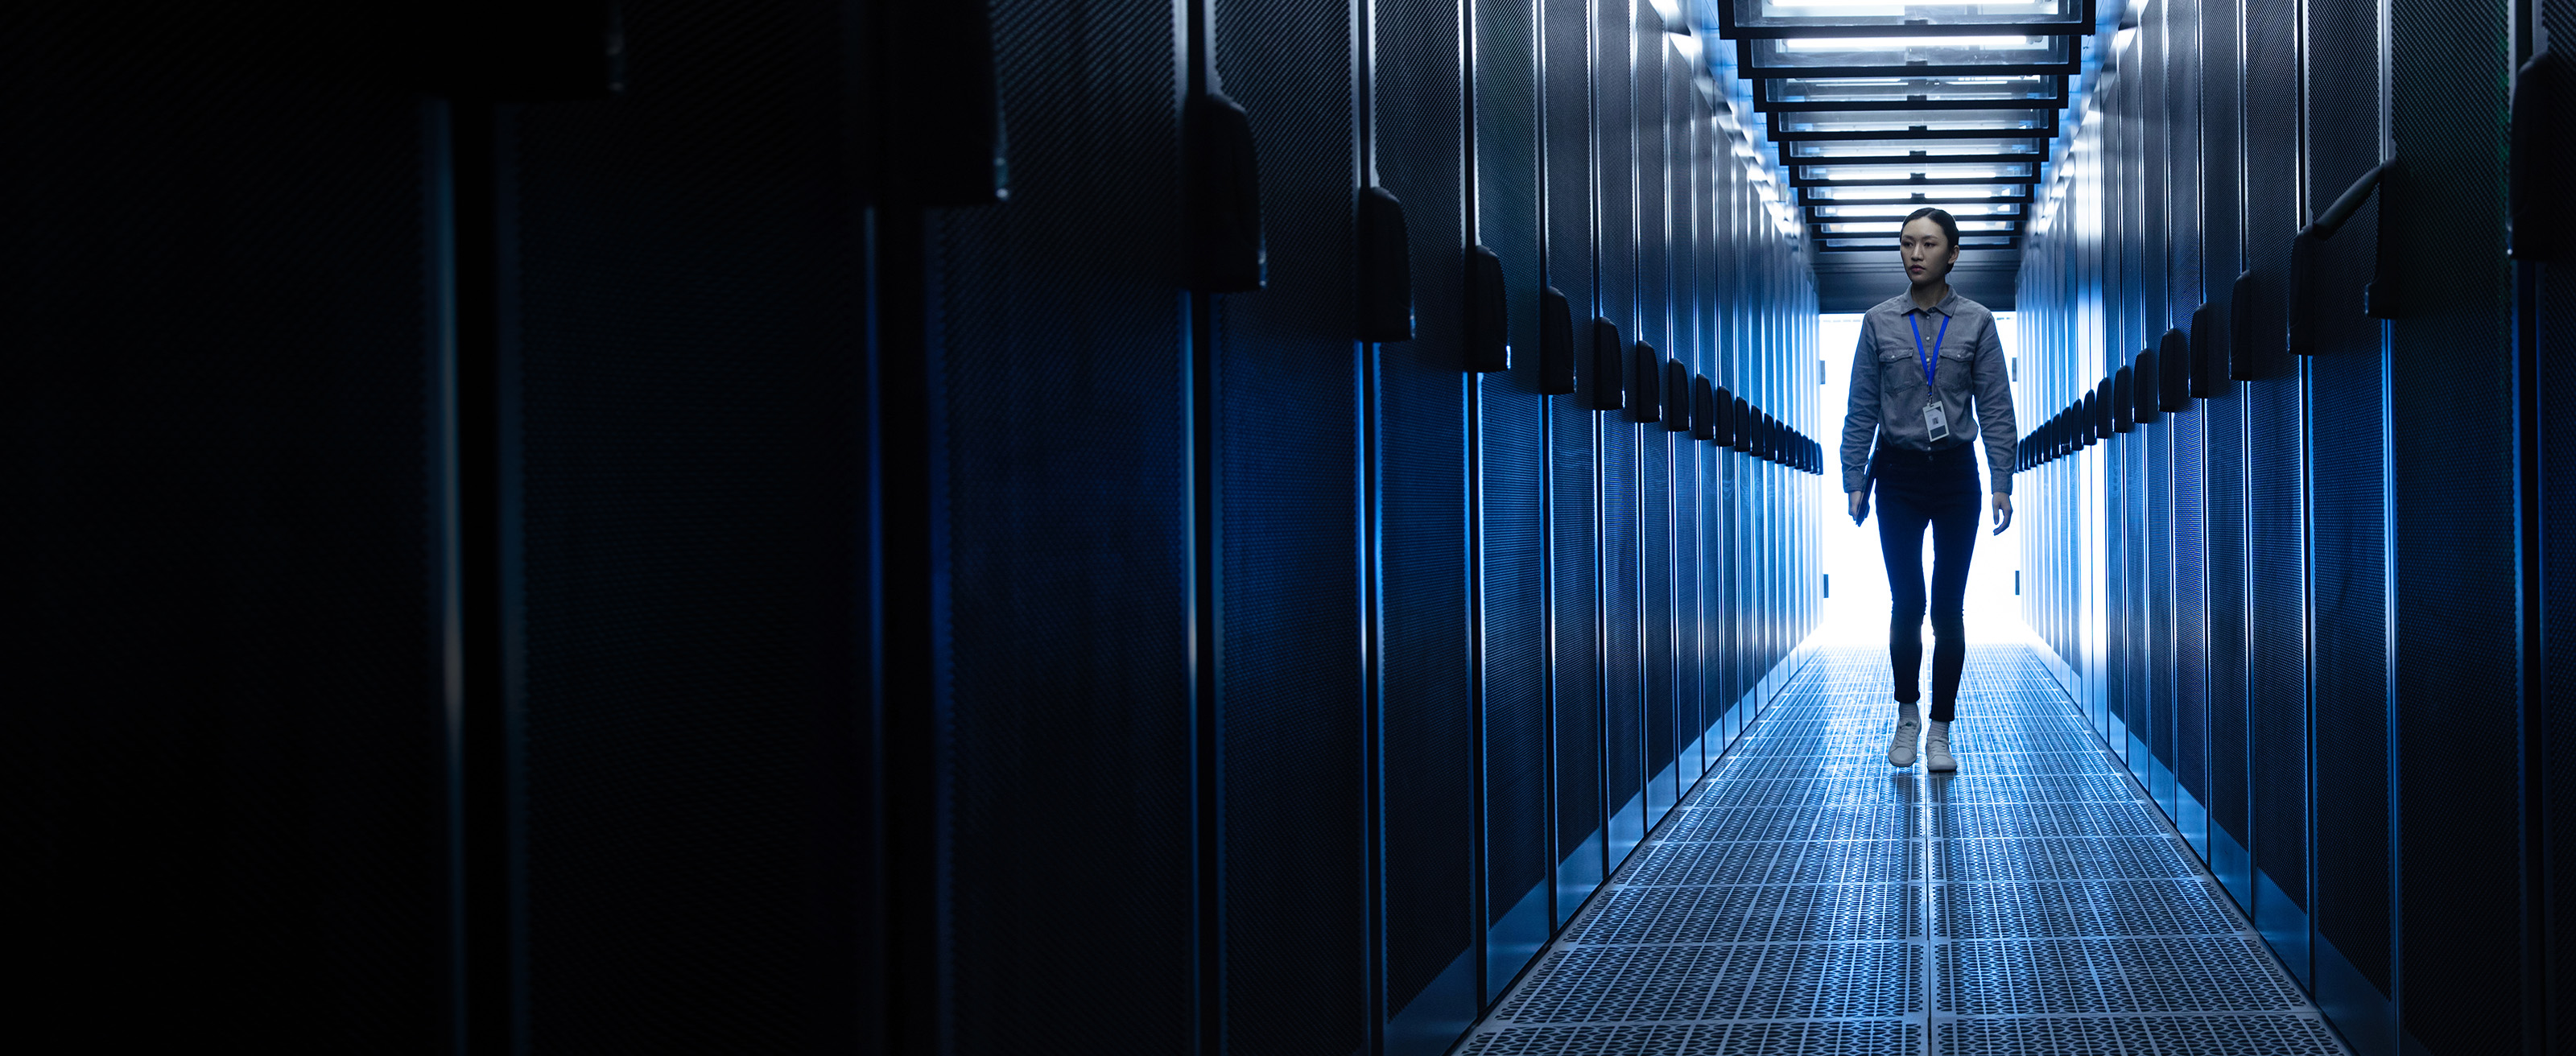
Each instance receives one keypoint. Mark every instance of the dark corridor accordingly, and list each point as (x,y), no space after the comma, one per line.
(1274,527)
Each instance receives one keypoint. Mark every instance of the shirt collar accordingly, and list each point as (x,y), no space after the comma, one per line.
(1948,305)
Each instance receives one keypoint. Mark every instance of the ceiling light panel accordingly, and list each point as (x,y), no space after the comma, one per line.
(1900,210)
(1926,171)
(1786,18)
(1893,227)
(1975,192)
(1902,93)
(1889,245)
(1910,124)
(1908,56)
(1904,151)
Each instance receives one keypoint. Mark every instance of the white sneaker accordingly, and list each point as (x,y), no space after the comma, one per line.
(1936,750)
(1900,748)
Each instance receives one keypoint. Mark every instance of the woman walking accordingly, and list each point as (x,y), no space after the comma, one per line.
(1929,365)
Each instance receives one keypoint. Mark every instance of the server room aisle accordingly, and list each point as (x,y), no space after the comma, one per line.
(1783,908)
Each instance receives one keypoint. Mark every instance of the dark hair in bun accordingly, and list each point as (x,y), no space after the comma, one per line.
(1949,227)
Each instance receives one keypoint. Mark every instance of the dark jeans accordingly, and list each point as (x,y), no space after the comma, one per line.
(1939,489)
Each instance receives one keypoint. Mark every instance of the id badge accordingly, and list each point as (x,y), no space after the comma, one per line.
(1936,422)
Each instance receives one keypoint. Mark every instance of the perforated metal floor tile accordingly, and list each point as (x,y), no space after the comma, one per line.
(2129,857)
(1882,1037)
(2223,973)
(2034,788)
(1968,821)
(2163,1035)
(1898,788)
(2078,908)
(1784,907)
(1597,984)
(1859,862)
(1973,739)
(1891,821)
(2085,762)
(1832,767)
(1773,747)
(1768,913)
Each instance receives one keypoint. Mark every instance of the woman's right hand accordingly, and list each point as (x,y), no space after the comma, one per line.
(1859,505)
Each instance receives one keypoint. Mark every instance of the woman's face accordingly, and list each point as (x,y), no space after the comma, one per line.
(1927,253)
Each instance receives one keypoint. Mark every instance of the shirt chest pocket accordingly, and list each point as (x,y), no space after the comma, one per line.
(1958,371)
(1899,371)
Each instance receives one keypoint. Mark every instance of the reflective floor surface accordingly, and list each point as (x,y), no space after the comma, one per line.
(1809,898)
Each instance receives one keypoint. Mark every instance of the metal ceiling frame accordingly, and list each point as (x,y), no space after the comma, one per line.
(1762,103)
(2077,24)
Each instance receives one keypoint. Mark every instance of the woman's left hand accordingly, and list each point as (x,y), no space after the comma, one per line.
(2003,511)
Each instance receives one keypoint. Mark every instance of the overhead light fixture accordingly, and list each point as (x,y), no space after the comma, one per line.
(1906,43)
(1901,210)
(1890,227)
(1917,171)
(1790,18)
(1917,56)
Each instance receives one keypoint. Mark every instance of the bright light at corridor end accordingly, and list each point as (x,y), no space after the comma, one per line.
(1856,612)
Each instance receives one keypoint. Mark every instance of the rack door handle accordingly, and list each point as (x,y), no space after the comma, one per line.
(1385,269)
(2536,215)
(2238,357)
(1677,396)
(2199,381)
(1555,342)
(2173,371)
(2124,398)
(1609,390)
(1489,320)
(1227,254)
(1648,406)
(939,118)
(2377,300)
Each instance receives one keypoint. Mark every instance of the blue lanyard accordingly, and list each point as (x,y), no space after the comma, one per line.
(1932,359)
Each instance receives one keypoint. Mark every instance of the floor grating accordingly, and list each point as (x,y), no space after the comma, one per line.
(1809,898)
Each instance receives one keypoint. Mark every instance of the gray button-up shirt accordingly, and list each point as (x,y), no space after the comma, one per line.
(1887,391)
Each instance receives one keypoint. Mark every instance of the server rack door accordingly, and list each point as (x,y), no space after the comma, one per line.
(1655,440)
(1706,604)
(1067,570)
(2142,297)
(1690,346)
(1727,472)
(1511,464)
(1285,420)
(2156,515)
(1574,476)
(2225,542)
(2184,270)
(1426,761)
(1614,48)
(2347,517)
(2460,854)
(2546,296)
(683,335)
(1746,356)
(2114,585)
(224,496)
(2127,562)
(2276,470)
